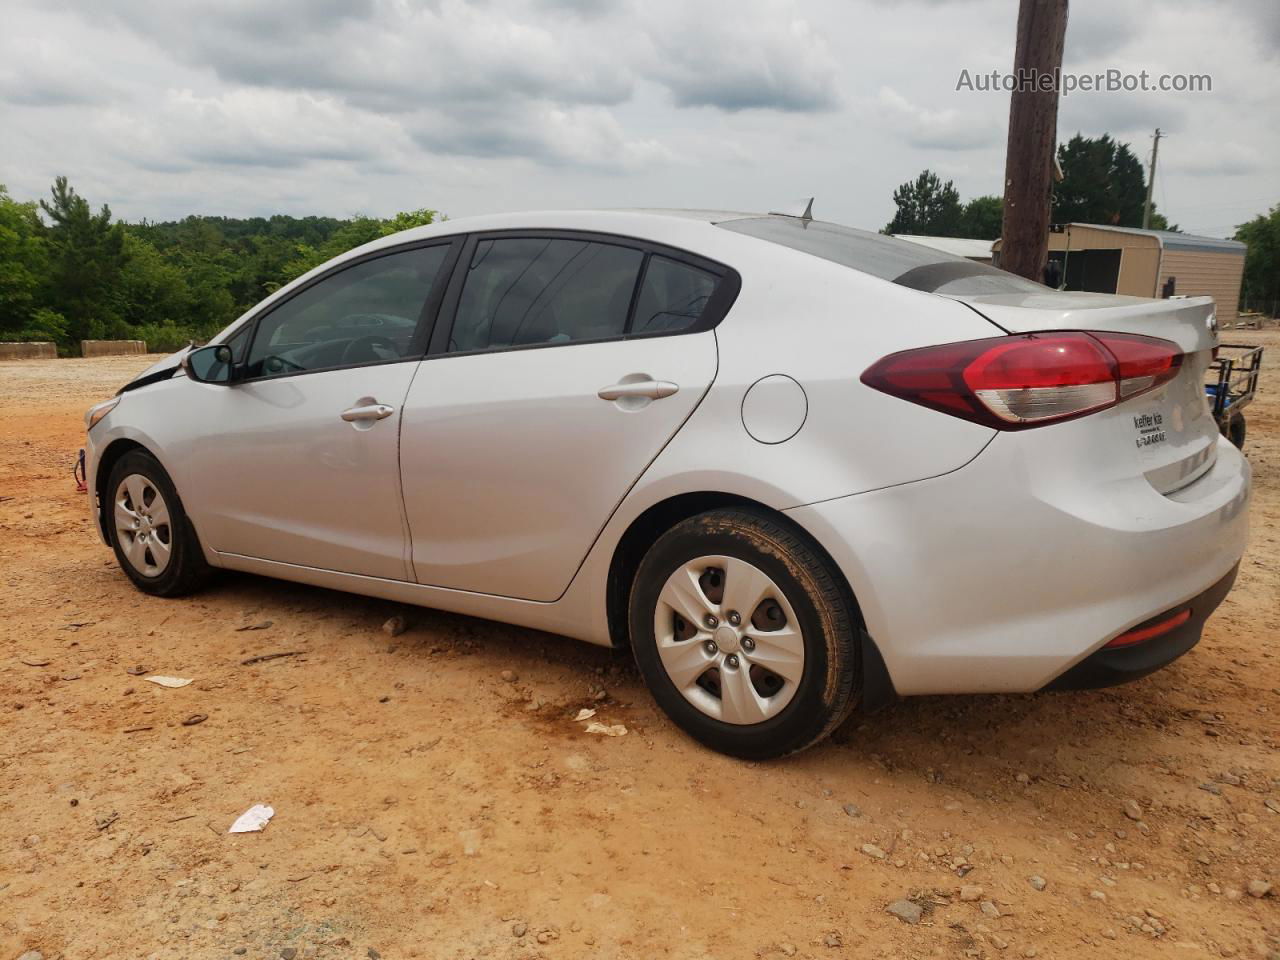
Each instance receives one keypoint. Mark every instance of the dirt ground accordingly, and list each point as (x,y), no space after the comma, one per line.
(426,806)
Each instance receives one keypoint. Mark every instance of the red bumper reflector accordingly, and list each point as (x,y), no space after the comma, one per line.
(1155,630)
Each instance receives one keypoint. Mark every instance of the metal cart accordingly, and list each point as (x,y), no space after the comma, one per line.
(1233,382)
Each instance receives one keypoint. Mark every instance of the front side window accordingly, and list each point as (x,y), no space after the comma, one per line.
(522,291)
(366,313)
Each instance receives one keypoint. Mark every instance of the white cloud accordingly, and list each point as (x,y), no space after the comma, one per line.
(251,128)
(945,129)
(757,58)
(337,106)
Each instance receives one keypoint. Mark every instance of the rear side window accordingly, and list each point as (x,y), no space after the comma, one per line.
(522,291)
(907,264)
(673,296)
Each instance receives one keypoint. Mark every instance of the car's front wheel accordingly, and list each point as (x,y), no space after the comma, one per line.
(154,542)
(744,633)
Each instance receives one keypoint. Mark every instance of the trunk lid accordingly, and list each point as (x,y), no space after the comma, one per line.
(1168,435)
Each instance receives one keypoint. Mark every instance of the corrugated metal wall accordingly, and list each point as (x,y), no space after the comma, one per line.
(1202,273)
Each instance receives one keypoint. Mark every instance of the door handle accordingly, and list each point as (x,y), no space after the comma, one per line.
(646,389)
(367,413)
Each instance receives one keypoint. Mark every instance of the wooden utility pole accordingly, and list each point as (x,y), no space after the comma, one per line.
(1033,129)
(1151,180)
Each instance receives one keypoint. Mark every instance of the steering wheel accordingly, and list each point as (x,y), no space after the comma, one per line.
(368,344)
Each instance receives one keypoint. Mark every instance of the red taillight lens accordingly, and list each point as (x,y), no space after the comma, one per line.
(1144,362)
(1025,381)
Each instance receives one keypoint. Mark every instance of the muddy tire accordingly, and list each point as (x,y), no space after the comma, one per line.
(154,541)
(1236,431)
(745,635)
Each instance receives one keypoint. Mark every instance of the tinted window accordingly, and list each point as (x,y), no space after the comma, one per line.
(363,314)
(672,297)
(908,264)
(522,291)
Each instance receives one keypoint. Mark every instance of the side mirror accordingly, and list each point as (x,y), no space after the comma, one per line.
(211,364)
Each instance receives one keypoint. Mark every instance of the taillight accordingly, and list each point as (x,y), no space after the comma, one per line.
(1015,382)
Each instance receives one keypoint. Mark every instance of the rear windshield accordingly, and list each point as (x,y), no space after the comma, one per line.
(907,264)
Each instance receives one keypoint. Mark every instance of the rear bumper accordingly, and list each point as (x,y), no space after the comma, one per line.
(1002,576)
(1108,667)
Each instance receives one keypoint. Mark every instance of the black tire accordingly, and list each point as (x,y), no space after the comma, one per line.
(1236,431)
(828,619)
(186,569)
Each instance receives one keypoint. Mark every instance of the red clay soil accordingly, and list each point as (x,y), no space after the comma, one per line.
(434,798)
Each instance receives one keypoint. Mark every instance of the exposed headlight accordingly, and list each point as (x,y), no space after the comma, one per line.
(98,411)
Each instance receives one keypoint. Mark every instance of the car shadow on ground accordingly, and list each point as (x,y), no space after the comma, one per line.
(1062,734)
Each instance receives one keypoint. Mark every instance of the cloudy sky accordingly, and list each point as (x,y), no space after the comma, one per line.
(239,107)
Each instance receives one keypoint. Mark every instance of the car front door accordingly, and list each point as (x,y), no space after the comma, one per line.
(297,460)
(570,361)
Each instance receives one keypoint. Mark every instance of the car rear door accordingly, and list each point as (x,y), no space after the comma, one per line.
(562,365)
(297,460)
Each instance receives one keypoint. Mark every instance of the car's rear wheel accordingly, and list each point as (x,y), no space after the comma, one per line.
(154,541)
(745,635)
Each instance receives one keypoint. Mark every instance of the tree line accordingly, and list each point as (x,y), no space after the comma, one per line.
(1103,182)
(68,273)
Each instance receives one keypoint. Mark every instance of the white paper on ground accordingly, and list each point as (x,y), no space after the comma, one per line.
(585,714)
(616,730)
(169,681)
(253,819)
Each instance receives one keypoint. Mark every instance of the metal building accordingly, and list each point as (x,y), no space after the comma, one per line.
(1148,263)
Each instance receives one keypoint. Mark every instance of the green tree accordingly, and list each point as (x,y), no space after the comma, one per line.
(23,265)
(408,219)
(82,275)
(927,207)
(1261,287)
(150,290)
(982,218)
(1102,182)
(86,256)
(354,233)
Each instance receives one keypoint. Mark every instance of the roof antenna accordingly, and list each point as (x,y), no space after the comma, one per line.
(802,209)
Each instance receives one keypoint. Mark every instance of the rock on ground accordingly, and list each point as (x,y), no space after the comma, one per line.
(906,911)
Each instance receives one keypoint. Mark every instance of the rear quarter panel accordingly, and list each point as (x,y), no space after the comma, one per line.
(822,325)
